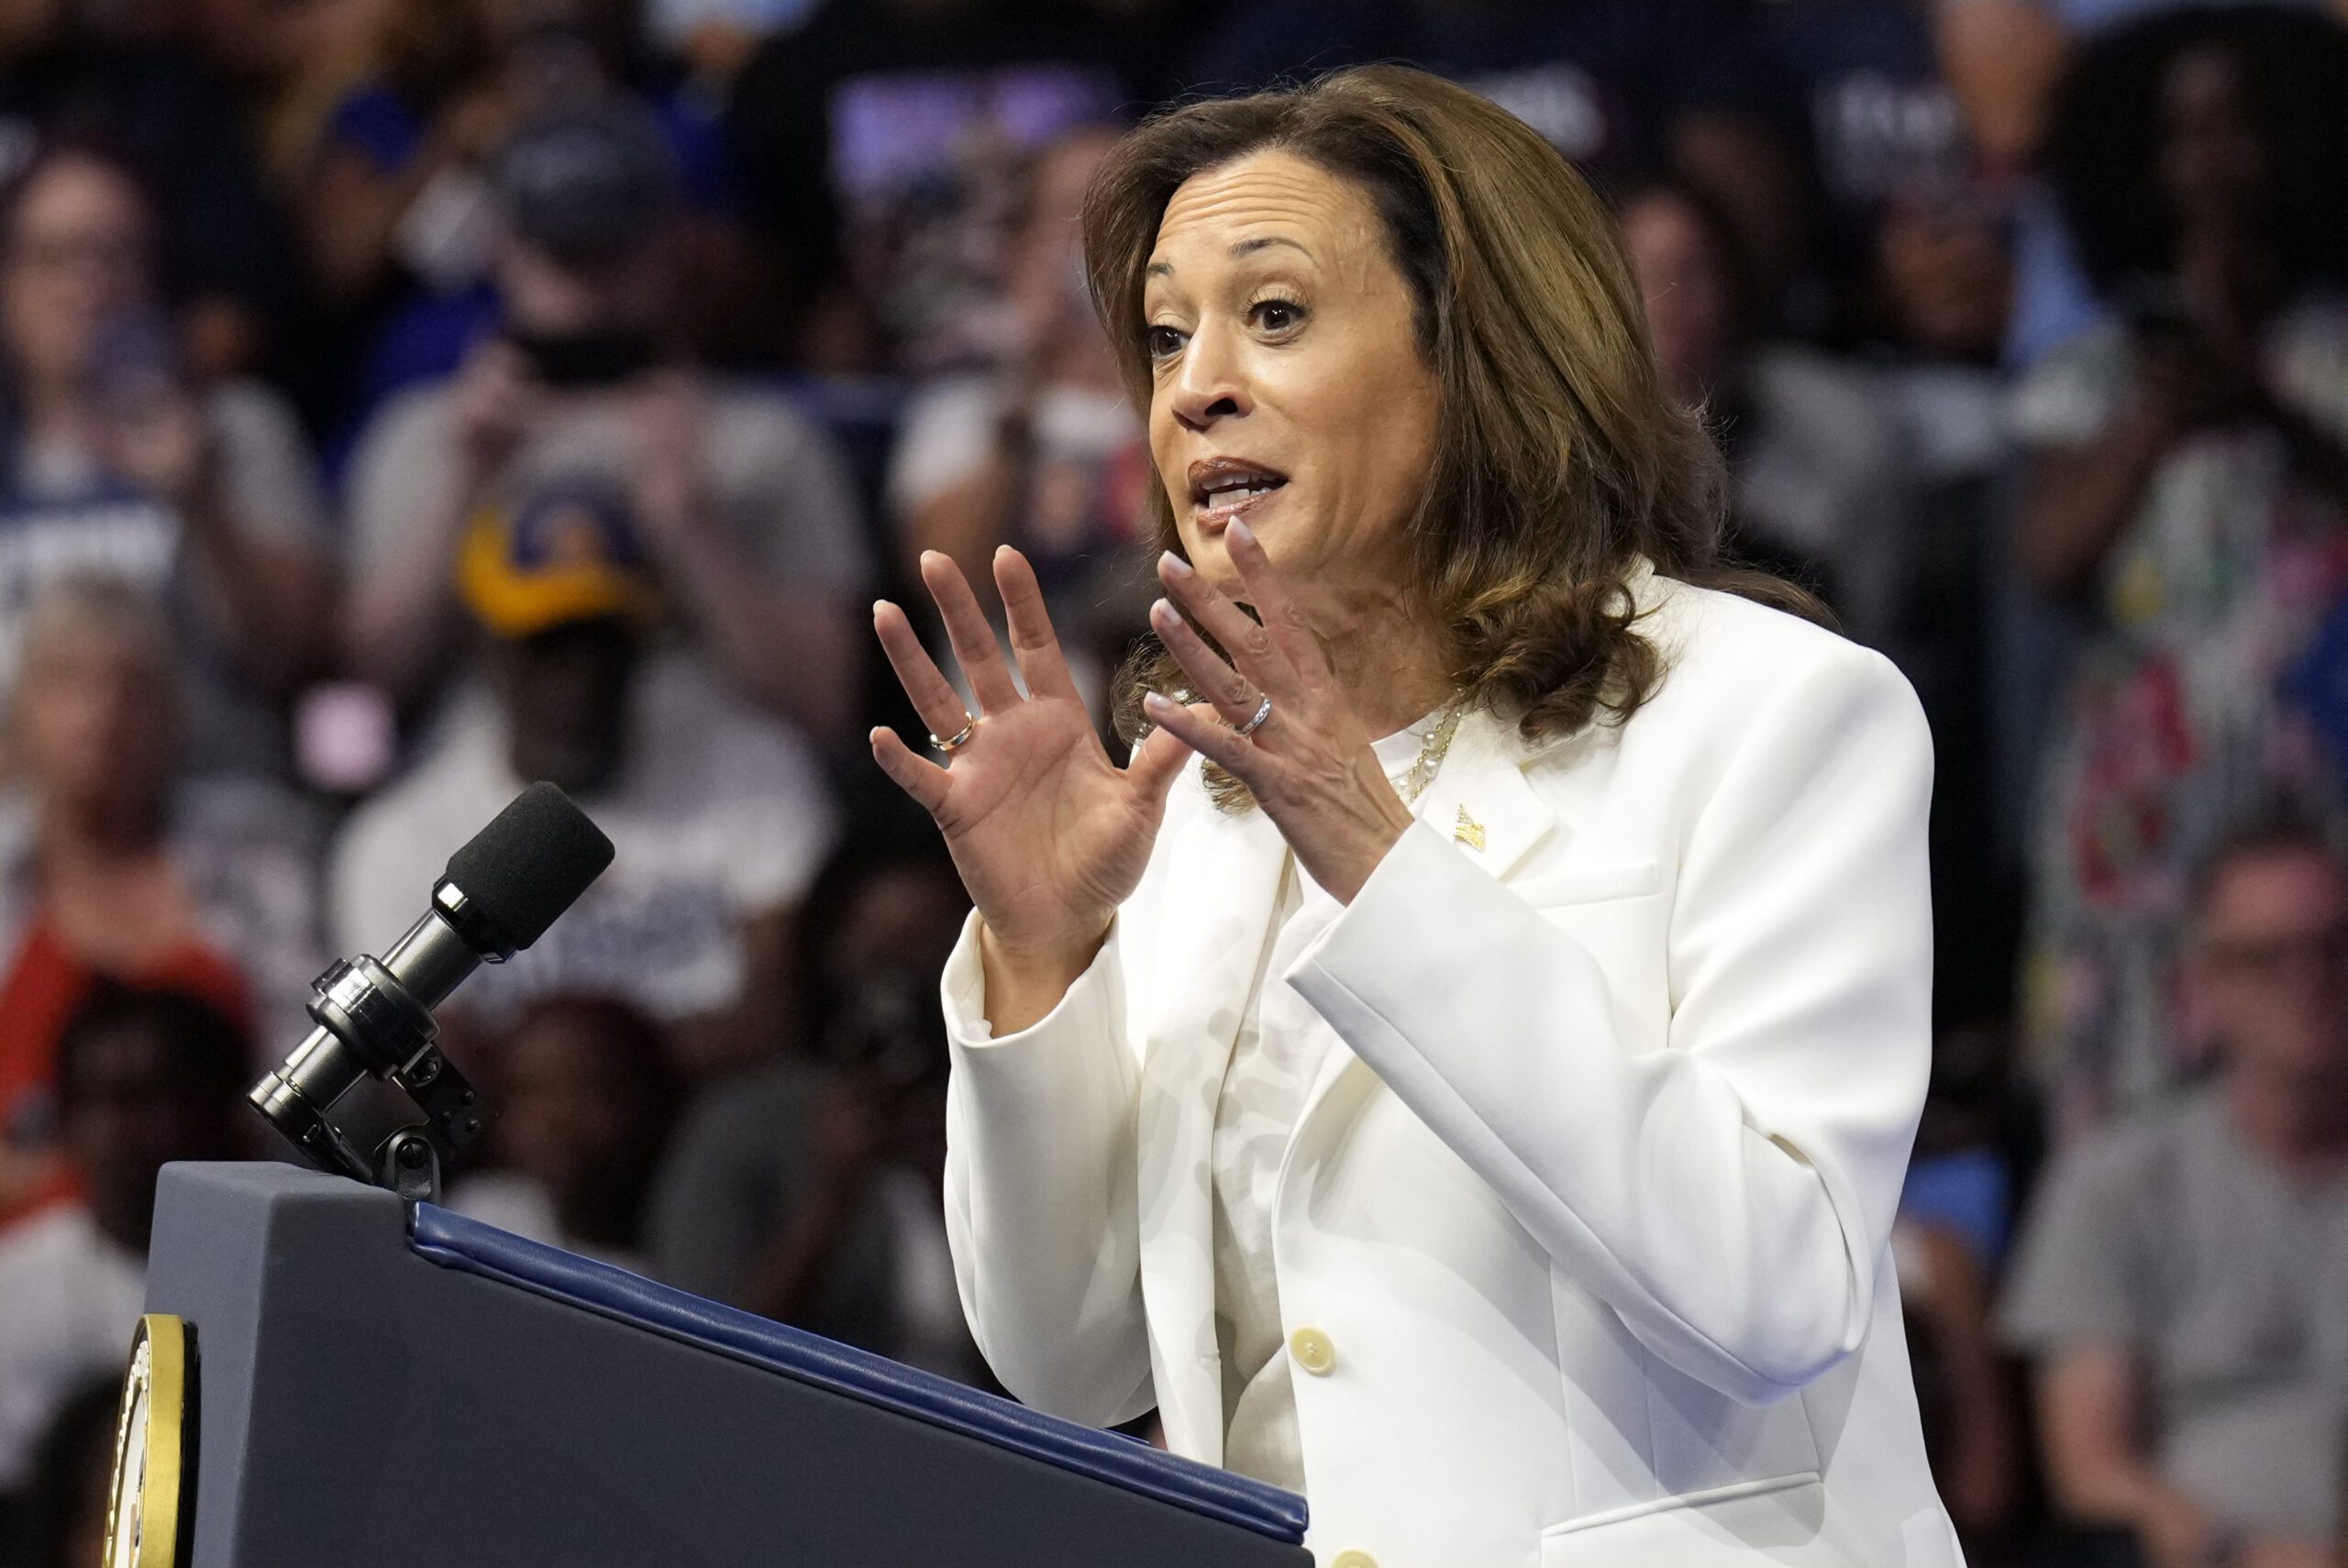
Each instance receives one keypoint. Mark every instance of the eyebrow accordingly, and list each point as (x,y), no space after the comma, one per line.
(1243,247)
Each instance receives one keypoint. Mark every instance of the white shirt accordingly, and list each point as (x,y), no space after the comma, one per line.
(69,1299)
(720,814)
(1278,1049)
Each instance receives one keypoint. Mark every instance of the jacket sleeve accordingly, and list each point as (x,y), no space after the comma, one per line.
(1729,1195)
(1040,1192)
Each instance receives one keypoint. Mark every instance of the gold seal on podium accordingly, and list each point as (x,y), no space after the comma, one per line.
(143,1507)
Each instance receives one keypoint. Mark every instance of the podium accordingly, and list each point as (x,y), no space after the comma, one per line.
(371,1383)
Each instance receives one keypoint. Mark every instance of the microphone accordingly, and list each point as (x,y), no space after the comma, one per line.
(375,1016)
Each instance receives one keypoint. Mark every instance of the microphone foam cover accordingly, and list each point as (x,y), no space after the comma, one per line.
(530,864)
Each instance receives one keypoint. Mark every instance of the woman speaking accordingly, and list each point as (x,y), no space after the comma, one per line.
(1476,1093)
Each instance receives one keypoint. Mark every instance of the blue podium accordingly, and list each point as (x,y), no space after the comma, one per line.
(373,1383)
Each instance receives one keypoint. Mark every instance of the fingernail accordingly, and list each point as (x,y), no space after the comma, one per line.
(1162,610)
(1175,564)
(1157,702)
(878,605)
(1241,532)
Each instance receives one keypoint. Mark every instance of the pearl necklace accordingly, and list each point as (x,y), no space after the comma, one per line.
(1432,751)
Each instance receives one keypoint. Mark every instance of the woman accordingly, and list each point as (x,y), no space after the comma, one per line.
(113,459)
(2189,495)
(114,867)
(1478,1097)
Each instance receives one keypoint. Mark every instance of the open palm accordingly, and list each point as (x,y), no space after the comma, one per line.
(1048,833)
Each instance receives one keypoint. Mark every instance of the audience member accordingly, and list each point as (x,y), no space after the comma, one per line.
(811,1192)
(1816,462)
(113,865)
(144,1077)
(584,399)
(1043,454)
(720,816)
(584,1094)
(122,72)
(2182,1278)
(880,148)
(1970,1432)
(62,1516)
(112,459)
(2187,494)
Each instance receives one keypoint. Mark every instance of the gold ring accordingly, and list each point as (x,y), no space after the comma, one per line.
(1256,719)
(958,739)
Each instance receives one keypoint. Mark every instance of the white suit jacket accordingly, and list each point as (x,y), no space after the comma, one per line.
(1581,1243)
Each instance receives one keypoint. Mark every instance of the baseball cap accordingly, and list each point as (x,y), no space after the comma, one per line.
(587,184)
(567,552)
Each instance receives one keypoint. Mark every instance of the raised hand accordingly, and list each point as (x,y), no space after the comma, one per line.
(1307,759)
(1049,834)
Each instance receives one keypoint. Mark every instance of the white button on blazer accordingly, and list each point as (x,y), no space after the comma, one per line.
(1592,1212)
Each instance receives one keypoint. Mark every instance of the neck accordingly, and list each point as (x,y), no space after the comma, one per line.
(2297,1121)
(1390,665)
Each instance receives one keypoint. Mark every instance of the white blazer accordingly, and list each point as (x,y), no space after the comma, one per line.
(1581,1243)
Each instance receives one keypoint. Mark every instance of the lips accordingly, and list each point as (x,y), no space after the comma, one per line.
(1224,488)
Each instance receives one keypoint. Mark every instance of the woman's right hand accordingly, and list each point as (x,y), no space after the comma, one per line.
(1049,834)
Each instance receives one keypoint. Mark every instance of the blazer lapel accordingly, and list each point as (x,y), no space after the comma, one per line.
(1222,884)
(1481,801)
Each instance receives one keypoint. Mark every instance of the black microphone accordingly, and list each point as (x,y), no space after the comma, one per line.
(375,1016)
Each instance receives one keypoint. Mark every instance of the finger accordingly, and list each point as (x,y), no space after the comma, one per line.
(923,780)
(934,697)
(965,627)
(1033,641)
(1283,623)
(1157,761)
(1209,676)
(1197,728)
(1250,651)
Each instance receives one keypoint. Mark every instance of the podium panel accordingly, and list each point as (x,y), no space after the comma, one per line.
(378,1387)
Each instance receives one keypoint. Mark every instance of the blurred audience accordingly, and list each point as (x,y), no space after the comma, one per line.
(114,867)
(127,72)
(584,397)
(1042,453)
(114,458)
(880,148)
(60,1522)
(811,1192)
(2189,497)
(2180,1285)
(585,1094)
(144,1077)
(2024,323)
(720,815)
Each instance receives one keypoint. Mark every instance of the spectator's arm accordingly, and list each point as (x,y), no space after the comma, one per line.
(423,468)
(2001,59)
(794,642)
(2081,498)
(278,601)
(1982,1469)
(2090,1402)
(795,651)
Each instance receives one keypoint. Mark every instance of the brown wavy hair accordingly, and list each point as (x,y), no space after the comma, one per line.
(1559,460)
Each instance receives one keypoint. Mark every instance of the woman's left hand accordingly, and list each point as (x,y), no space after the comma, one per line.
(1309,764)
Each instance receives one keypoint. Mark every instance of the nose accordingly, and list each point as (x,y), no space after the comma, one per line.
(1209,386)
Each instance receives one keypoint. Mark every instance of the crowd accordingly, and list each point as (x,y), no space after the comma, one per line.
(402,400)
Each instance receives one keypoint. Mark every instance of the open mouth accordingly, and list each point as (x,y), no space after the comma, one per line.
(1224,488)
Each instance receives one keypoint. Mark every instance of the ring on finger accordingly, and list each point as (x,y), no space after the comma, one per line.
(951,743)
(1256,719)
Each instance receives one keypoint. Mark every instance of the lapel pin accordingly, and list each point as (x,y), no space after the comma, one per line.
(1468,831)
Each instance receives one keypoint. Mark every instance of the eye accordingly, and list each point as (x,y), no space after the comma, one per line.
(1276,315)
(1164,342)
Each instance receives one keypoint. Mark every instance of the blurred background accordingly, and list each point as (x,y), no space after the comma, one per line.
(401,400)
